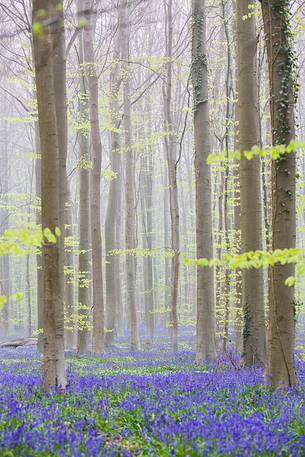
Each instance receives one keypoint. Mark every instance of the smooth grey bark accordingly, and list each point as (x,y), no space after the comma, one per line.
(29,296)
(65,222)
(130,200)
(39,273)
(225,289)
(206,321)
(254,337)
(229,116)
(111,221)
(120,309)
(167,242)
(54,368)
(69,298)
(280,368)
(171,157)
(95,182)
(59,62)
(4,225)
(84,266)
(147,227)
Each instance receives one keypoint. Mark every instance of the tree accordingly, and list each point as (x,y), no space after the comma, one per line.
(84,208)
(280,368)
(172,163)
(206,325)
(60,84)
(4,224)
(39,272)
(114,200)
(44,43)
(254,340)
(147,224)
(226,141)
(95,186)
(130,200)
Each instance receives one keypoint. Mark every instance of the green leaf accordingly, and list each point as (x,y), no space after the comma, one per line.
(57,232)
(290,282)
(17,296)
(3,300)
(38,29)
(82,23)
(49,235)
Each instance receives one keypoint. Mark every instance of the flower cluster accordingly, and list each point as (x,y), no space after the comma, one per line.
(147,404)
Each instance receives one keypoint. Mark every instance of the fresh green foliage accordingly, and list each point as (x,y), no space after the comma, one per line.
(257,259)
(274,152)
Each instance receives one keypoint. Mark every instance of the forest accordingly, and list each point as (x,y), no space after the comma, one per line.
(152,228)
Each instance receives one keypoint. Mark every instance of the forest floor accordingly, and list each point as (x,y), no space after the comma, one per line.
(151,403)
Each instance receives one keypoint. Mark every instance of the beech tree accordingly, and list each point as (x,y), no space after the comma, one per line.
(84,205)
(171,158)
(130,201)
(206,324)
(4,223)
(112,229)
(254,345)
(95,182)
(44,45)
(280,369)
(39,273)
(147,223)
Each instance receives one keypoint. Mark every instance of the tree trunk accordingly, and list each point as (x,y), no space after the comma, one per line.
(166,243)
(280,370)
(206,322)
(4,224)
(53,315)
(60,83)
(39,274)
(254,339)
(69,300)
(130,201)
(146,208)
(95,187)
(120,311)
(172,179)
(111,226)
(229,117)
(84,212)
(29,296)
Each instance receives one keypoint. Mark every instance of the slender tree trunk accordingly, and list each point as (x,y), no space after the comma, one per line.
(238,290)
(206,322)
(112,264)
(4,225)
(120,311)
(39,274)
(146,204)
(53,315)
(187,273)
(60,83)
(280,368)
(254,339)
(130,201)
(95,187)
(172,179)
(166,243)
(69,300)
(226,287)
(219,250)
(84,211)
(29,296)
